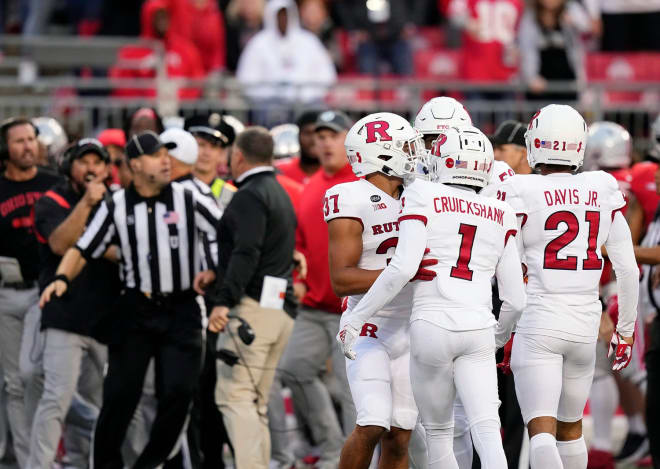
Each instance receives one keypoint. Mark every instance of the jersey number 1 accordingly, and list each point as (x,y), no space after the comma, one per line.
(462,268)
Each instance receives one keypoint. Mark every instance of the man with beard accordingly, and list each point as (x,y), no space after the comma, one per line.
(159,225)
(21,184)
(73,360)
(303,167)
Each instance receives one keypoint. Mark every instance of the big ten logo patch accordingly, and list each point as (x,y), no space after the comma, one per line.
(369,330)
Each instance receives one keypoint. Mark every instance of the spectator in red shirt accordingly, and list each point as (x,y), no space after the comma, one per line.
(137,61)
(304,166)
(312,340)
(489,32)
(202,22)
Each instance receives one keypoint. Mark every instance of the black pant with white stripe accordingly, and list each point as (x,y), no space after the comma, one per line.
(168,330)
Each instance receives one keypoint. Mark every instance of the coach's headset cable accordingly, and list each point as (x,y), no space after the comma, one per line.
(230,358)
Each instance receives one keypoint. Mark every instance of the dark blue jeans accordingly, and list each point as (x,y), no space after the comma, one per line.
(397,54)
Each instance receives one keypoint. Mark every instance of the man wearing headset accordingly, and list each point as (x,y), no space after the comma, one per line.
(22,183)
(254,281)
(68,322)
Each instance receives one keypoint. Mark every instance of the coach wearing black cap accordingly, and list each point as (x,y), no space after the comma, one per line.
(509,146)
(158,225)
(60,218)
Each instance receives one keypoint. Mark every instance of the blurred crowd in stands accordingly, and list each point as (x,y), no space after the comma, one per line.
(311,41)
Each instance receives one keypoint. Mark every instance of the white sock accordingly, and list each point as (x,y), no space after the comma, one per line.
(439,445)
(543,453)
(636,424)
(573,453)
(603,400)
(487,440)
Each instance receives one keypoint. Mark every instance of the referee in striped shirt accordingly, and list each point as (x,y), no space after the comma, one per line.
(158,225)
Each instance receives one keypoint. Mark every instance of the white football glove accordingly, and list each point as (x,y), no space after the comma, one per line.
(346,338)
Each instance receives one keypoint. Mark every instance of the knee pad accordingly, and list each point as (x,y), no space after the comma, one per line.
(487,441)
(439,442)
(461,425)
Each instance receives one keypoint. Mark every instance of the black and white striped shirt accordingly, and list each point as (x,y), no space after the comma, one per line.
(196,185)
(209,245)
(159,237)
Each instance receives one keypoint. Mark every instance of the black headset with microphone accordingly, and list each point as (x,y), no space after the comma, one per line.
(231,358)
(247,336)
(74,150)
(4,130)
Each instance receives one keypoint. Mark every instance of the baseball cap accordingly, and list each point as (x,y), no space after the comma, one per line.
(89,145)
(113,137)
(212,127)
(307,117)
(146,143)
(509,131)
(185,149)
(333,120)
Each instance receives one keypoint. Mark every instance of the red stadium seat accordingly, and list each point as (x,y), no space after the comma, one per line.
(437,63)
(623,68)
(429,37)
(365,92)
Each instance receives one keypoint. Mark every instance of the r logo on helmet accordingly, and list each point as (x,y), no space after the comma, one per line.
(532,119)
(380,128)
(437,143)
(449,162)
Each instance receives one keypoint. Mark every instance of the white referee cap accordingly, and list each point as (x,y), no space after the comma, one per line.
(186,146)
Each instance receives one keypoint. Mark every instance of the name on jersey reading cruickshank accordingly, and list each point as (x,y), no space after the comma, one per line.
(458,205)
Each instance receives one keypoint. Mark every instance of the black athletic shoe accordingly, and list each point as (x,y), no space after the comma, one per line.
(634,448)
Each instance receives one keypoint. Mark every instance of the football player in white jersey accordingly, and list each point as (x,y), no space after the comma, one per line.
(363,229)
(609,148)
(452,344)
(564,220)
(439,114)
(435,117)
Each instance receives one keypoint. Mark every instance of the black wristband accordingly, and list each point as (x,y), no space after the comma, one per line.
(63,278)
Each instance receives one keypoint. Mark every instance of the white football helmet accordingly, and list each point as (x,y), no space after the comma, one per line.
(52,136)
(608,147)
(439,114)
(461,155)
(556,135)
(384,142)
(654,148)
(285,141)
